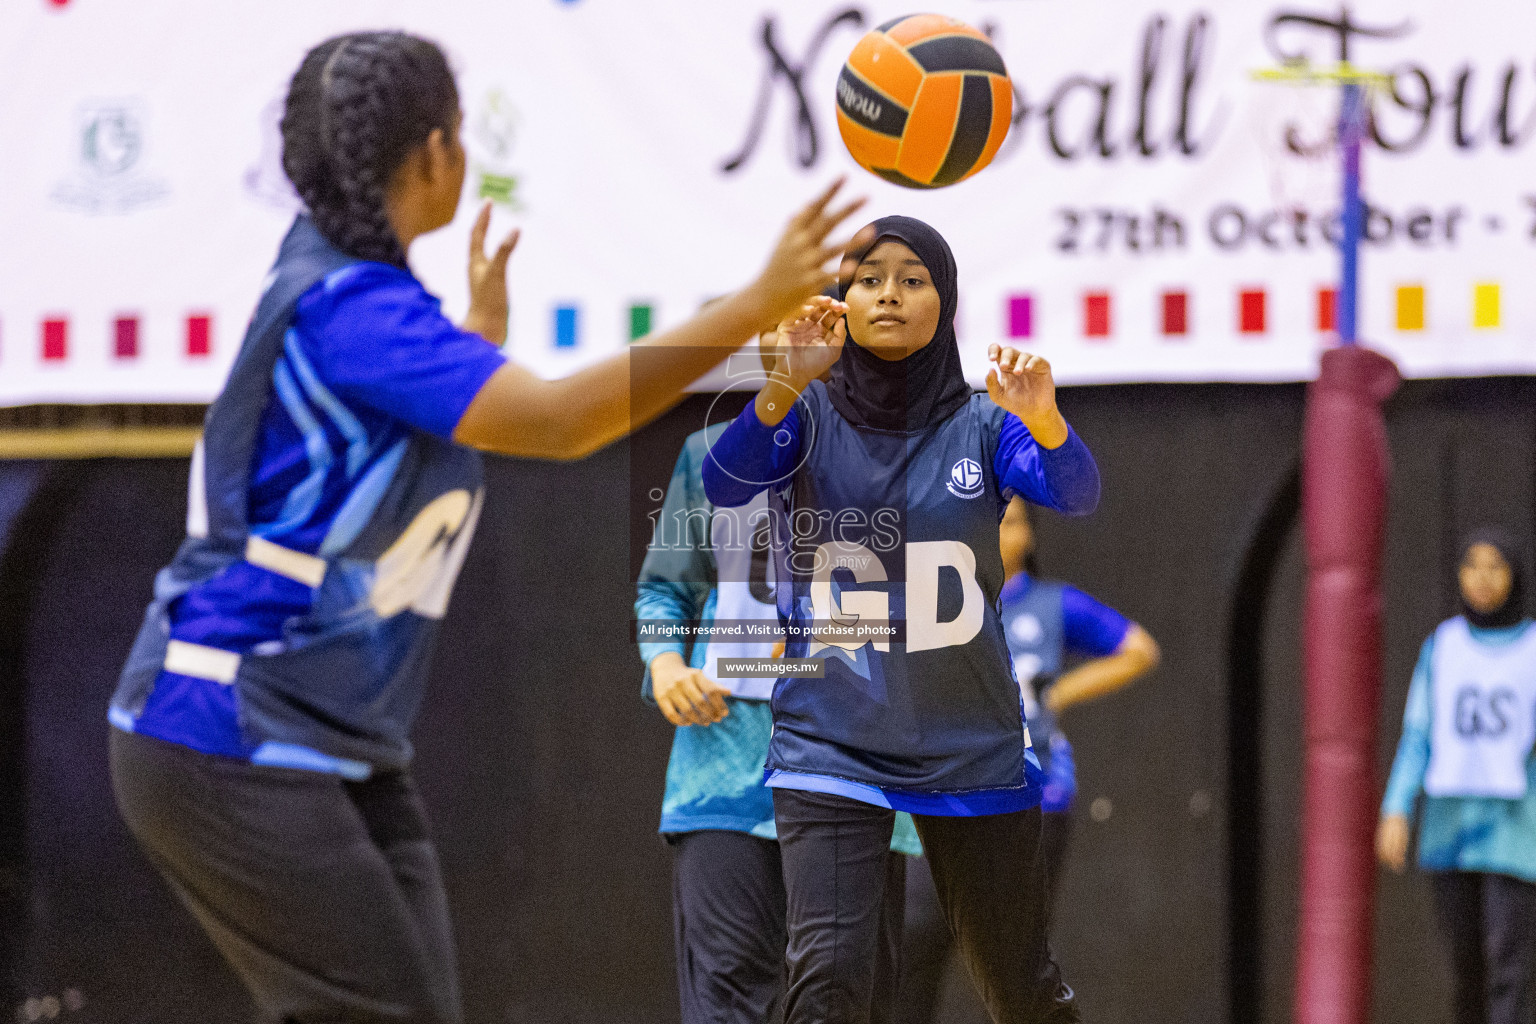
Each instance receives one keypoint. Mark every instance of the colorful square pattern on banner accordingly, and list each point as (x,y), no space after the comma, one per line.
(1154,214)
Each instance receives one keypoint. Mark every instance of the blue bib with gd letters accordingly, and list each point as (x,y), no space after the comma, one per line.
(899,531)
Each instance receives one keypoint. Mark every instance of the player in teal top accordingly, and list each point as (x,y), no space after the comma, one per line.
(1466,749)
(707,568)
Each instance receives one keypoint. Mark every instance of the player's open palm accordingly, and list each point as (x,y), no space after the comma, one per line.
(488,306)
(1021,383)
(812,341)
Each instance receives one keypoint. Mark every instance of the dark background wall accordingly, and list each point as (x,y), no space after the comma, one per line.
(543,769)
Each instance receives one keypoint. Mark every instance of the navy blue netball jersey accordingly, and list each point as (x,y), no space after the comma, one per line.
(897,532)
(328,515)
(1045,621)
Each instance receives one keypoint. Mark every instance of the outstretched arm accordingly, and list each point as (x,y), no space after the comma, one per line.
(517,413)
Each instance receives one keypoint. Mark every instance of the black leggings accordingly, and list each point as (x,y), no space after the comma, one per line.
(990,876)
(927,941)
(728,908)
(728,927)
(325,896)
(1489,923)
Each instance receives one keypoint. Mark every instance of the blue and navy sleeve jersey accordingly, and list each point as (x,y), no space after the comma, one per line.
(369,358)
(1064,478)
(1090,628)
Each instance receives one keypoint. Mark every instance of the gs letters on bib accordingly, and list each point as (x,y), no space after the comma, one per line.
(1484,725)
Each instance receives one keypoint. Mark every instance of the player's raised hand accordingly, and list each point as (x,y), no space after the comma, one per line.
(1022,384)
(488,306)
(811,340)
(797,268)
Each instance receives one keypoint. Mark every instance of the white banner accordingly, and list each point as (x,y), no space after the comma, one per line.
(1144,221)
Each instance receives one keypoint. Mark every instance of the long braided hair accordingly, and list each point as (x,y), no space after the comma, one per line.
(357,106)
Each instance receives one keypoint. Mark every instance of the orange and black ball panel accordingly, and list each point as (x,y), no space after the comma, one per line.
(924,101)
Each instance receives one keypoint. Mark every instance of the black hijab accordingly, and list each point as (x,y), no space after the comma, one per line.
(928,386)
(1513,608)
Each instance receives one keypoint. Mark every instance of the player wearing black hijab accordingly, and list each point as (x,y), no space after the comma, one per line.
(888,483)
(1466,749)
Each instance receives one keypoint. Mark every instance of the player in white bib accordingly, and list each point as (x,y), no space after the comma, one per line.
(1466,747)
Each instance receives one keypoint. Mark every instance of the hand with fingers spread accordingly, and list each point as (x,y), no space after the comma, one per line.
(1021,383)
(518,413)
(797,268)
(811,340)
(686,695)
(488,305)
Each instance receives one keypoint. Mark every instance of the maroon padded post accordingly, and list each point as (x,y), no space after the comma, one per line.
(1345,510)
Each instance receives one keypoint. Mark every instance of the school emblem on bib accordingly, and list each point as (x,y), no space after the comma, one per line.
(965,479)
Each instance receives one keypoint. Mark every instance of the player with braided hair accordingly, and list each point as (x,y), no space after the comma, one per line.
(357,105)
(260,749)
